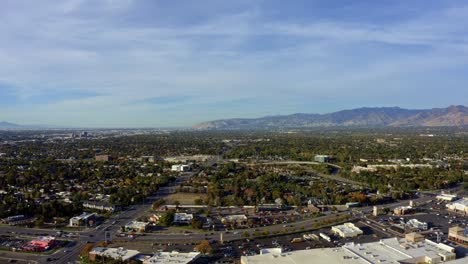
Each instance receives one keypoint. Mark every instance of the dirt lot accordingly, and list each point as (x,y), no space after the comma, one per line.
(184,198)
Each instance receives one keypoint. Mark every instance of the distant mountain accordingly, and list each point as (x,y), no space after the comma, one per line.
(12,126)
(360,117)
(9,125)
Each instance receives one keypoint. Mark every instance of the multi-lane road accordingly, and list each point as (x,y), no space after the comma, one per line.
(70,254)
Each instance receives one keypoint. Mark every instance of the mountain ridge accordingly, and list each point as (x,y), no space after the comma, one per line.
(455,115)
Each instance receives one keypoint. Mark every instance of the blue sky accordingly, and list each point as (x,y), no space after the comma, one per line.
(129,63)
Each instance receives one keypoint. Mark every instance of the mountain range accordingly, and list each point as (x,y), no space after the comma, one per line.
(456,115)
(9,125)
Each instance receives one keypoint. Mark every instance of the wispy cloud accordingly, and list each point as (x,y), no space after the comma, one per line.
(310,56)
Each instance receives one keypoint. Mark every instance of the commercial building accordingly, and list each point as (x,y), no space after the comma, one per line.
(347,230)
(112,253)
(180,167)
(392,250)
(103,158)
(85,219)
(234,219)
(101,206)
(136,226)
(446,197)
(40,244)
(182,218)
(150,159)
(18,220)
(459,206)
(458,234)
(402,210)
(322,158)
(416,224)
(172,257)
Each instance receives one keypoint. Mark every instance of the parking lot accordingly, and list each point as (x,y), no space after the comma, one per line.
(9,243)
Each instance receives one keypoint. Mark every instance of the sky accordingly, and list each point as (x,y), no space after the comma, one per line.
(155,63)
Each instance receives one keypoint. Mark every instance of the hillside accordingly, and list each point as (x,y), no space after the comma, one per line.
(360,117)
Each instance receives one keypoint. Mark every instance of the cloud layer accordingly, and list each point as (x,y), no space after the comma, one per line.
(119,63)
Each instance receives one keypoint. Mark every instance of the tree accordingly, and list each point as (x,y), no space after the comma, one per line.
(167,218)
(196,224)
(204,247)
(86,249)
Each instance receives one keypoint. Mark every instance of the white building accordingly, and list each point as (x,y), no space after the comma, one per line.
(415,223)
(172,257)
(85,219)
(180,167)
(459,205)
(392,250)
(98,205)
(446,197)
(347,230)
(112,253)
(182,218)
(136,226)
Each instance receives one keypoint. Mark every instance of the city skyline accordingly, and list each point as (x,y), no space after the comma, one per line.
(161,64)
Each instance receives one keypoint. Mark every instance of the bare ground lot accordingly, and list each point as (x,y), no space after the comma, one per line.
(184,198)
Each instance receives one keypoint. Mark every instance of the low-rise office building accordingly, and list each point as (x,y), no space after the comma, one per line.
(85,219)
